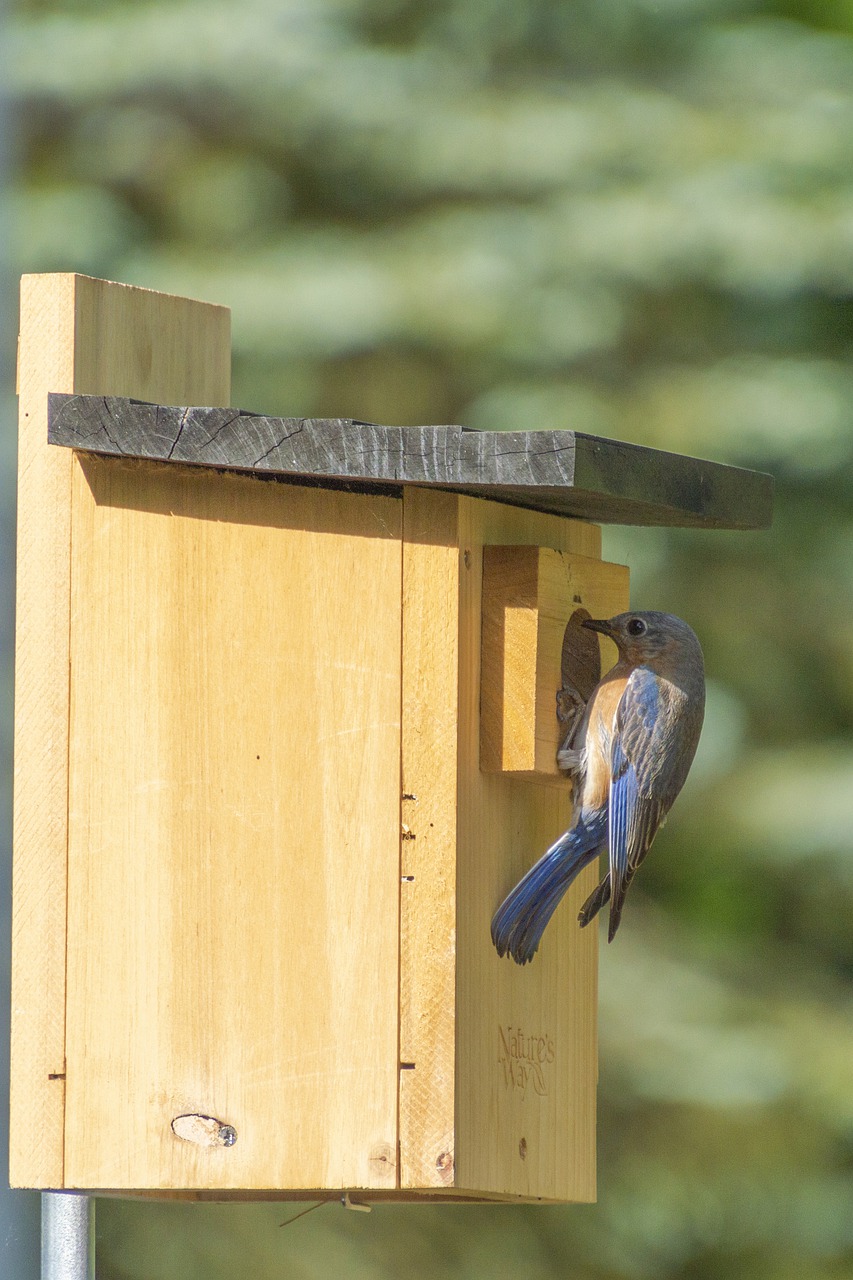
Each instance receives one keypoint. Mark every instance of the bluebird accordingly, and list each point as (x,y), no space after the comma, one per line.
(630,756)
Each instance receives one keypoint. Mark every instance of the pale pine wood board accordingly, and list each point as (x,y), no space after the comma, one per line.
(234,831)
(529,595)
(88,336)
(370,1196)
(149,346)
(503,826)
(45,362)
(509,659)
(428,848)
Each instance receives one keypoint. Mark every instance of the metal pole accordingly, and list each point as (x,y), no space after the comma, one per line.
(67,1236)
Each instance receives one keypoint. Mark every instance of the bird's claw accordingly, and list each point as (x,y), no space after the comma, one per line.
(570,707)
(570,711)
(568,759)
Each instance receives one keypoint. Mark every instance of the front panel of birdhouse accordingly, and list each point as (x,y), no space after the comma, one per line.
(261,821)
(233,845)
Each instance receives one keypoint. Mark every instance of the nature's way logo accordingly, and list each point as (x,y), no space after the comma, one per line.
(524,1059)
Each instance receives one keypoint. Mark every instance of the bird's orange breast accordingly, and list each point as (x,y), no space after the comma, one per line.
(599,734)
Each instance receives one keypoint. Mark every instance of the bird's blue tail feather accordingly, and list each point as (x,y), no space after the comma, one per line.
(520,920)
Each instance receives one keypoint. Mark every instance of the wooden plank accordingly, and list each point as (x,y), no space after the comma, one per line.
(150,346)
(37,1093)
(234,831)
(509,659)
(565,472)
(526,1037)
(428,858)
(93,337)
(370,1196)
(529,596)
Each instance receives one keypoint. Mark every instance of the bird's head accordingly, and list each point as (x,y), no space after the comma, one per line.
(647,637)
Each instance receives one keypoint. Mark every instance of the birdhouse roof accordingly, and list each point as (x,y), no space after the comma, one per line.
(568,473)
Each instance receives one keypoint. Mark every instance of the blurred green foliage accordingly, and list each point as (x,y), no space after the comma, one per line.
(631,217)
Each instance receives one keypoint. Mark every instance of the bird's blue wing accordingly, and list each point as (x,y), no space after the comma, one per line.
(624,797)
(635,811)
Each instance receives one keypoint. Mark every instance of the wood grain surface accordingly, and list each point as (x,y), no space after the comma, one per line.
(234,831)
(97,338)
(569,473)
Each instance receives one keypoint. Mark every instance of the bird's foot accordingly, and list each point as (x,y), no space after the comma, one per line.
(569,760)
(570,711)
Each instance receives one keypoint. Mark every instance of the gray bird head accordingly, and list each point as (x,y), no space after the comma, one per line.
(649,637)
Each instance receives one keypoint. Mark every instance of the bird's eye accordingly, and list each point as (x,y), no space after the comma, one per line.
(636,627)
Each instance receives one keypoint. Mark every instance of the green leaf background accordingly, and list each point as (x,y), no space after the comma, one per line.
(629,217)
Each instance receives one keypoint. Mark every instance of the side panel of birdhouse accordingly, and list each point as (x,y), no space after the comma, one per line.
(98,338)
(526,1048)
(233,856)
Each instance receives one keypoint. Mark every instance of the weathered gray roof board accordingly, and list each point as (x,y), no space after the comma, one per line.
(564,472)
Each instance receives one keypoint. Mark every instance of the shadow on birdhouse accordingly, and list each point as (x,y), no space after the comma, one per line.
(286,732)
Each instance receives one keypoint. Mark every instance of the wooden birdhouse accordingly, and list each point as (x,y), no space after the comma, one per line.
(285,736)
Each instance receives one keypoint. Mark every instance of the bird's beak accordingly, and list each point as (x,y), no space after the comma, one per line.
(598,624)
